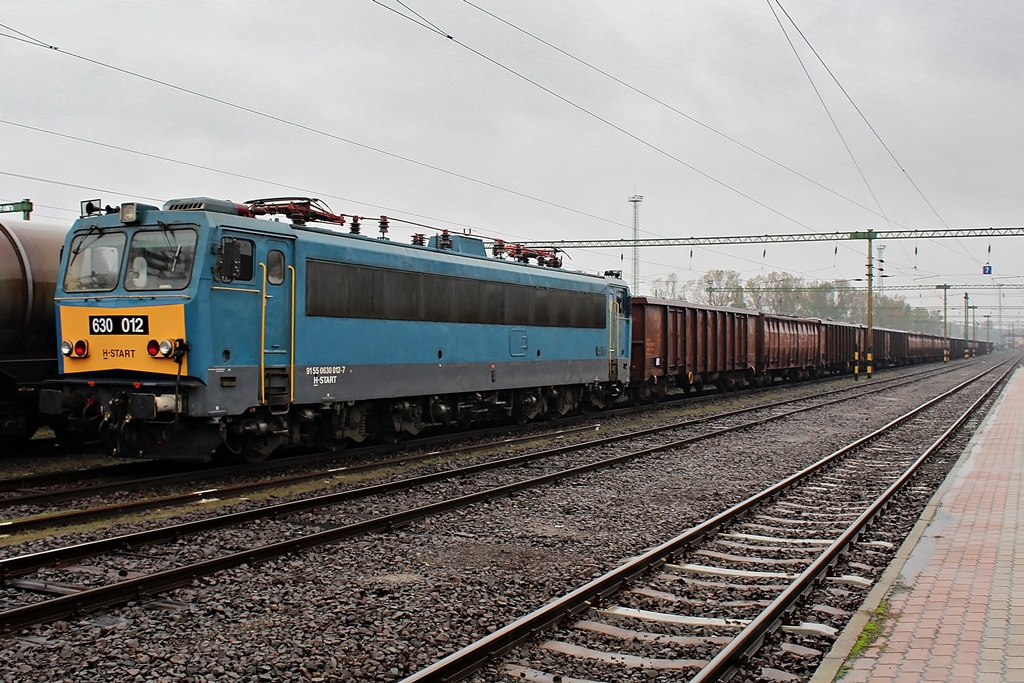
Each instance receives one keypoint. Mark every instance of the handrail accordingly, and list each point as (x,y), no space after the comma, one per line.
(263,336)
(291,366)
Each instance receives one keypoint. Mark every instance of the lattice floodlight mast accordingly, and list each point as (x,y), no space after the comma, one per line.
(635,201)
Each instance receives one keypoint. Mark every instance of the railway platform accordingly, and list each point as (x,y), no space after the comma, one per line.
(951,606)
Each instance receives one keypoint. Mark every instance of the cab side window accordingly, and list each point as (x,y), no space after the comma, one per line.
(235,261)
(275,267)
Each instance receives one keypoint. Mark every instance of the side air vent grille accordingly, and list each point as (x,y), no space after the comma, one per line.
(201,204)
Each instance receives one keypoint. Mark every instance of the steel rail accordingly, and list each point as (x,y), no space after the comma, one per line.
(23,564)
(41,497)
(476,655)
(121,469)
(141,587)
(29,481)
(730,658)
(42,521)
(46,521)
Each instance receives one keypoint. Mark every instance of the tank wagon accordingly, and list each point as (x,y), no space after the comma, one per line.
(200,325)
(29,256)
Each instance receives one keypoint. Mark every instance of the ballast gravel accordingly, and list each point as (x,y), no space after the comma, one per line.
(381,607)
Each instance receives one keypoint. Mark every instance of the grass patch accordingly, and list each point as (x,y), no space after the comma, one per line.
(872,632)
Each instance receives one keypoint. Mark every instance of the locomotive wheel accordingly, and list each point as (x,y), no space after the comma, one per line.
(252,450)
(328,438)
(330,444)
(257,450)
(393,438)
(253,457)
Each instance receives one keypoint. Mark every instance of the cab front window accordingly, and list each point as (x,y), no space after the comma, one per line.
(95,262)
(161,259)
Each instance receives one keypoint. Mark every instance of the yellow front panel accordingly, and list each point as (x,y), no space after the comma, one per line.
(118,351)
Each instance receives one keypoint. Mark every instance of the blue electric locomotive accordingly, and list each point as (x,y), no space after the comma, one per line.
(201,326)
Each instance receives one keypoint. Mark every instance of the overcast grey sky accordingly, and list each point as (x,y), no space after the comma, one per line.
(421,127)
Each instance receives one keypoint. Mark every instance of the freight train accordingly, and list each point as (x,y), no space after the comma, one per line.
(205,325)
(29,257)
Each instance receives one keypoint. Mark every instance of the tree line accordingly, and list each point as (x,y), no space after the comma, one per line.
(788,294)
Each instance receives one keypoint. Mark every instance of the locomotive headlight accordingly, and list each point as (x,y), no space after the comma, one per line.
(66,347)
(160,348)
(81,349)
(130,212)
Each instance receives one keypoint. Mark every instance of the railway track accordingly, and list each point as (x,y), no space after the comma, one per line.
(29,508)
(53,486)
(145,564)
(700,606)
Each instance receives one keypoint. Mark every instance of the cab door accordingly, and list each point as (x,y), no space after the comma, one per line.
(618,333)
(277,272)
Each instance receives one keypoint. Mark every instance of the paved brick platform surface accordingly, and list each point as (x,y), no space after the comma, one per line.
(955,599)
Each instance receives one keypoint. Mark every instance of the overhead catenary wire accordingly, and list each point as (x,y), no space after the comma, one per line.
(861,114)
(419,20)
(832,119)
(828,112)
(881,213)
(673,109)
(871,128)
(601,119)
(507,236)
(243,176)
(324,194)
(50,181)
(310,129)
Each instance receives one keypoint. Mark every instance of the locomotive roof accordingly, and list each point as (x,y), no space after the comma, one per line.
(227,214)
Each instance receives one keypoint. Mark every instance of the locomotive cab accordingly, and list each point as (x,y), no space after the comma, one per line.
(129,281)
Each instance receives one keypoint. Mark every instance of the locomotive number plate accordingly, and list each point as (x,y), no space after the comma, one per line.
(119,324)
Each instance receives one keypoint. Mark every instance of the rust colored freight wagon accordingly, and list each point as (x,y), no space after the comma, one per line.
(923,347)
(680,345)
(890,347)
(789,348)
(841,344)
